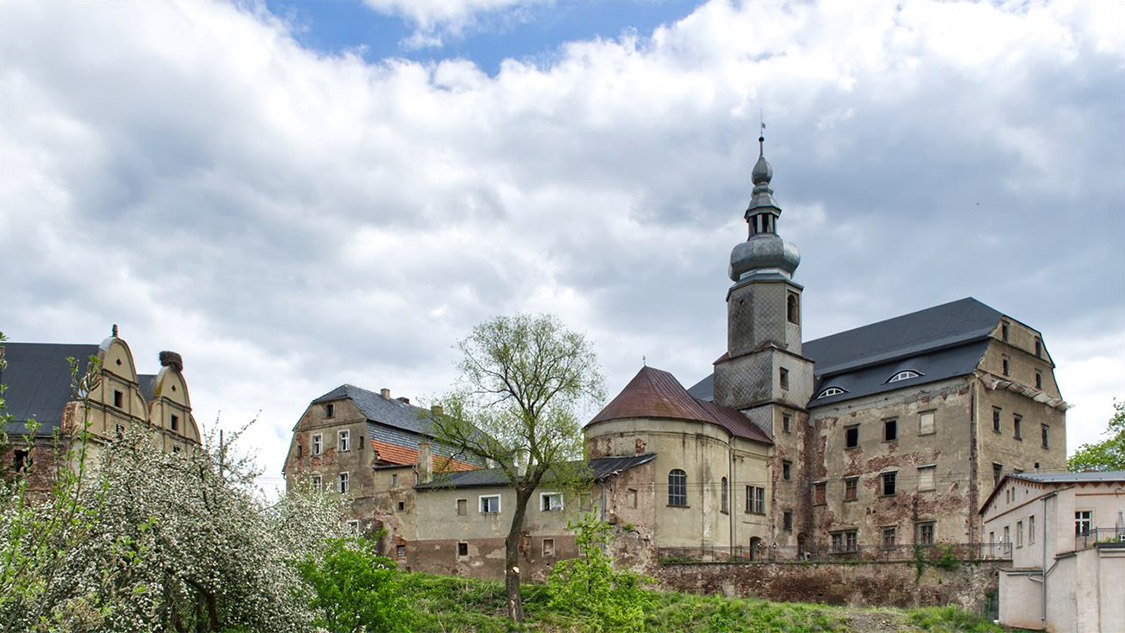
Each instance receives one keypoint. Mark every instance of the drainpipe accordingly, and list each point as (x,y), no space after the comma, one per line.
(1042,579)
(731,496)
(973,458)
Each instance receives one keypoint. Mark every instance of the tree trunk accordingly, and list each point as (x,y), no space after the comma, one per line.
(512,557)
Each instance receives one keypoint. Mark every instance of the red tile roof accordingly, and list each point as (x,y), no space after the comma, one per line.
(395,454)
(654,393)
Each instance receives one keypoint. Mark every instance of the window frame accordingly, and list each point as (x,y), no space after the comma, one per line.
(851,488)
(851,442)
(677,490)
(787,520)
(1017,426)
(545,504)
(931,470)
(890,430)
(543,548)
(329,410)
(1045,435)
(920,532)
(786,470)
(462,546)
(888,544)
(885,477)
(830,391)
(996,423)
(922,415)
(481,504)
(755,500)
(344,482)
(317,444)
(316,482)
(820,493)
(906,374)
(1088,520)
(458,504)
(783,378)
(344,440)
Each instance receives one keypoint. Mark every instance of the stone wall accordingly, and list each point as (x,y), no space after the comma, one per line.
(886,584)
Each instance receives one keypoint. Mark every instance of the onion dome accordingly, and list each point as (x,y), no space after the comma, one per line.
(764,252)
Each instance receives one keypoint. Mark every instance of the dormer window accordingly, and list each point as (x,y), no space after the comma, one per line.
(830,391)
(906,374)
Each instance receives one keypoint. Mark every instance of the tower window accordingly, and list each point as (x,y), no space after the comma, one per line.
(786,470)
(851,437)
(677,488)
(329,410)
(997,473)
(820,493)
(792,309)
(1004,331)
(889,483)
(118,399)
(783,377)
(1017,424)
(1045,431)
(787,521)
(175,422)
(996,419)
(724,501)
(1007,369)
(1038,379)
(851,488)
(926,423)
(786,421)
(890,430)
(1038,347)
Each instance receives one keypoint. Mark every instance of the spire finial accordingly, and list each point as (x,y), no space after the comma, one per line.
(113,332)
(761,134)
(644,361)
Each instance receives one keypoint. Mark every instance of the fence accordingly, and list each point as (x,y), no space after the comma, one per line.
(1098,535)
(935,553)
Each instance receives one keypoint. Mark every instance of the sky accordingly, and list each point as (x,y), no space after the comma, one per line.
(297,195)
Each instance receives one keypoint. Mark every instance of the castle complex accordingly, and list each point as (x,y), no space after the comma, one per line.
(892,434)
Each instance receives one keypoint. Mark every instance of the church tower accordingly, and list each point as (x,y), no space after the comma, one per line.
(763,372)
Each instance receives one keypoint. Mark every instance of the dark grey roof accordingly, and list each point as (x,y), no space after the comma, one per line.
(391,412)
(39,382)
(1072,478)
(601,469)
(147,385)
(939,342)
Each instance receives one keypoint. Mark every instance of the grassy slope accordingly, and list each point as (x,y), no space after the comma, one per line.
(451,604)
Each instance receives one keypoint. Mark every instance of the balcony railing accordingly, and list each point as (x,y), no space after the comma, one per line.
(935,553)
(1099,535)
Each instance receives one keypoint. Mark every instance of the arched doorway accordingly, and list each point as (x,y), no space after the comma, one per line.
(755,548)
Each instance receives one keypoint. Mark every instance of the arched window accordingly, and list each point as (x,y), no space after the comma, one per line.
(725,497)
(677,488)
(831,391)
(904,375)
(792,309)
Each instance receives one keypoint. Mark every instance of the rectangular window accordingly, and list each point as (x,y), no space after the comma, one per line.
(462,507)
(995,419)
(400,551)
(1031,530)
(394,480)
(783,377)
(786,421)
(851,488)
(317,483)
(890,537)
(317,444)
(890,430)
(1038,379)
(1039,348)
(851,437)
(548,548)
(462,550)
(118,399)
(329,410)
(1019,533)
(1006,367)
(997,473)
(1017,423)
(401,505)
(889,480)
(175,423)
(551,501)
(353,525)
(925,533)
(820,493)
(342,483)
(1007,534)
(490,504)
(787,521)
(1083,521)
(119,430)
(843,542)
(925,478)
(926,423)
(677,488)
(838,542)
(1004,332)
(755,500)
(631,497)
(345,440)
(1045,434)
(786,470)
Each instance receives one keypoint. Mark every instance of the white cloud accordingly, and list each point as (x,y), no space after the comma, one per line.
(435,21)
(290,221)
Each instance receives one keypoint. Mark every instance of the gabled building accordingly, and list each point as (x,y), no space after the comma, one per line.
(41,389)
(1066,532)
(370,447)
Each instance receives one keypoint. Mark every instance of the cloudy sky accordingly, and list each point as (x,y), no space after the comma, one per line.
(296,196)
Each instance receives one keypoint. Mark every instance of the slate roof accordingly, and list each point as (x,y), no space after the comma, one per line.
(147,385)
(654,393)
(939,343)
(392,412)
(1086,477)
(601,469)
(38,380)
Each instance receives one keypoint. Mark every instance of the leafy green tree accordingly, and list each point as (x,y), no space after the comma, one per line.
(525,381)
(590,588)
(356,589)
(1109,454)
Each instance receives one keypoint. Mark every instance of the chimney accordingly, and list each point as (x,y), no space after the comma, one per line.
(425,462)
(436,409)
(386,393)
(173,360)
(404,399)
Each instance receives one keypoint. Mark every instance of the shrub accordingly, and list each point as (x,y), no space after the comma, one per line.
(355,589)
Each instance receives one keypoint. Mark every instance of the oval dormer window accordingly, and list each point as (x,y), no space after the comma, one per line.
(831,391)
(906,374)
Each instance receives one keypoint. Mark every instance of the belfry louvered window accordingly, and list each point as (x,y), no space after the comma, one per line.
(677,488)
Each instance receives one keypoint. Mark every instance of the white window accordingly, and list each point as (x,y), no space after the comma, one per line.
(548,548)
(345,440)
(1083,521)
(904,375)
(342,484)
(925,477)
(1019,533)
(317,444)
(317,483)
(926,423)
(353,525)
(551,501)
(831,391)
(1031,530)
(489,504)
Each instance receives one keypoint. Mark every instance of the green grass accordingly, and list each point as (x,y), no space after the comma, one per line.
(448,604)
